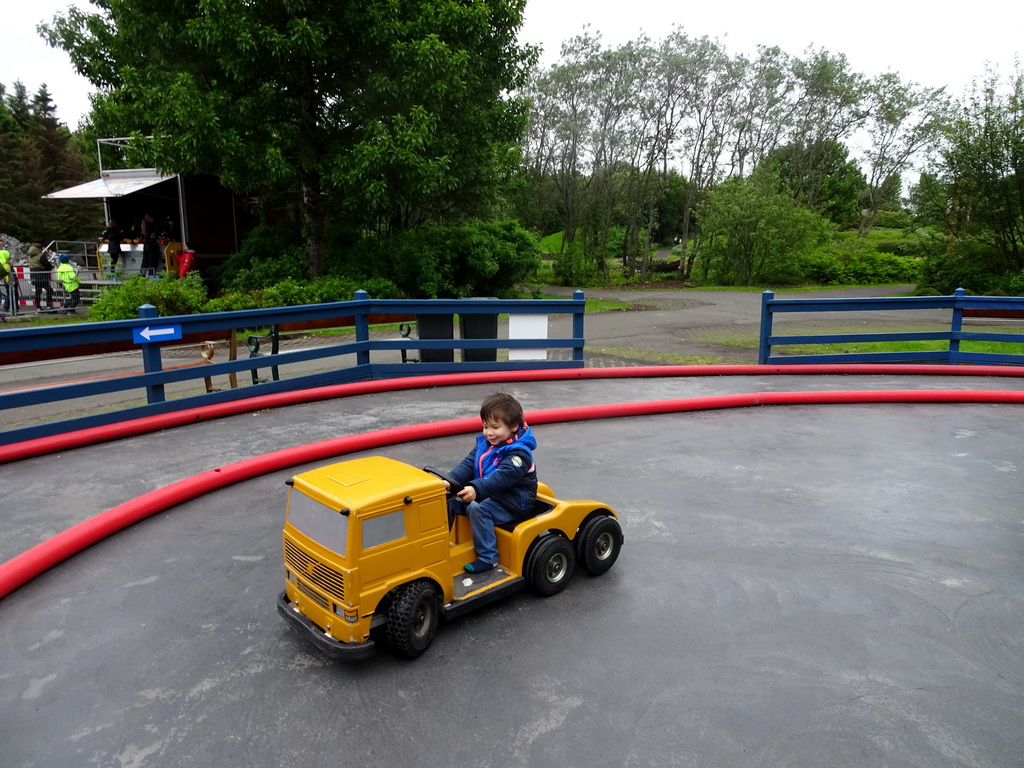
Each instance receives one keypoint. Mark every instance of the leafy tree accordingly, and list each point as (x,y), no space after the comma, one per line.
(383,114)
(977,178)
(764,110)
(828,106)
(754,233)
(903,120)
(560,129)
(836,180)
(462,260)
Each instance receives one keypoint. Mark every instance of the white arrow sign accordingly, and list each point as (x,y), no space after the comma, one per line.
(165,333)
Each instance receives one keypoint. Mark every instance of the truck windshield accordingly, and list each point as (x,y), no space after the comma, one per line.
(320,523)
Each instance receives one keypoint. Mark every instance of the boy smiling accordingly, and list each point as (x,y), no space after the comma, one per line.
(499,476)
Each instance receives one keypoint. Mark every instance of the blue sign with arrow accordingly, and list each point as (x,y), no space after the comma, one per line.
(156,333)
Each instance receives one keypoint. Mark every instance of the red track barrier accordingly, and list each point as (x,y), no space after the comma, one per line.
(47,445)
(26,566)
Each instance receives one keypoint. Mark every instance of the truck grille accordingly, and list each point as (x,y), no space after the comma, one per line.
(316,573)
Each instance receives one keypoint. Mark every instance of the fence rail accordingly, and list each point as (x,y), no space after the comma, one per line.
(357,355)
(959,304)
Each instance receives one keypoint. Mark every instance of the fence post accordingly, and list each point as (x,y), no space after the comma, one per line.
(151,358)
(763,347)
(577,328)
(362,327)
(956,324)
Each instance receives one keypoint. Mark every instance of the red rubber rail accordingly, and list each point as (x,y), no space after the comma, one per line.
(29,564)
(46,445)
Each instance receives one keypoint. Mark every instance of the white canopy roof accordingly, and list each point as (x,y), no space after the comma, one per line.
(114,184)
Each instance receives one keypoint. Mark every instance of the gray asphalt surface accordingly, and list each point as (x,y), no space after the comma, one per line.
(799,586)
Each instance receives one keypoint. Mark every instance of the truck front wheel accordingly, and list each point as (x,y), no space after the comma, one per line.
(412,618)
(550,566)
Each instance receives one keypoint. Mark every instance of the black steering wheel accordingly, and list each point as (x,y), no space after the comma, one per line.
(453,487)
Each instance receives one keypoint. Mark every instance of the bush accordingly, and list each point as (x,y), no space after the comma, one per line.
(1014,284)
(271,254)
(859,266)
(290,293)
(171,296)
(572,267)
(900,247)
(461,260)
(967,266)
(893,220)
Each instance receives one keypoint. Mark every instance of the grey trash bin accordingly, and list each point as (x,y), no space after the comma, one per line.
(436,327)
(479,325)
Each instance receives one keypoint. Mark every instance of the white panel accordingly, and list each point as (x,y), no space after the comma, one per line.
(527,327)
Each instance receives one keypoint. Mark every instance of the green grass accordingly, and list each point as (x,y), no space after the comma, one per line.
(551,243)
(660,358)
(993,347)
(600,305)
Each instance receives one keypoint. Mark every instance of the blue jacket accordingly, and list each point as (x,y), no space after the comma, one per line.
(504,473)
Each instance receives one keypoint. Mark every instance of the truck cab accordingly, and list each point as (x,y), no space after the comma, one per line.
(370,555)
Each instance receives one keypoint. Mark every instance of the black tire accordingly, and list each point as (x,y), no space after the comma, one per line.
(412,619)
(598,544)
(550,566)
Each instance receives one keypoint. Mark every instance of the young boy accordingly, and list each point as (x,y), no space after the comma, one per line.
(499,476)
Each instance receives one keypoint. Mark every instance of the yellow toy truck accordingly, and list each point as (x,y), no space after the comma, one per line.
(370,554)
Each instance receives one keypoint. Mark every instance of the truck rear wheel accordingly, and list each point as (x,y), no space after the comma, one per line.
(598,544)
(412,618)
(550,566)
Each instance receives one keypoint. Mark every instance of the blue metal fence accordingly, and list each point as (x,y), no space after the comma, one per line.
(354,357)
(959,304)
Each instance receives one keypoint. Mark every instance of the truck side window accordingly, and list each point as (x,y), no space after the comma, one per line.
(383,528)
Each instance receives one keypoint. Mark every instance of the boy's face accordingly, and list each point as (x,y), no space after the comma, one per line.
(497,432)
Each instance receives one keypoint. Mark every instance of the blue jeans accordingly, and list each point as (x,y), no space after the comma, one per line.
(483,516)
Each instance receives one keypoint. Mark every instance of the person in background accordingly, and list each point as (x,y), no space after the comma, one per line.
(150,247)
(69,279)
(113,235)
(39,268)
(5,270)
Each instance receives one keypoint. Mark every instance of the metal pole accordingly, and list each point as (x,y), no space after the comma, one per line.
(362,326)
(151,358)
(956,324)
(764,348)
(577,329)
(182,223)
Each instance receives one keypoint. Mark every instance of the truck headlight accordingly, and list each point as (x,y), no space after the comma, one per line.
(351,615)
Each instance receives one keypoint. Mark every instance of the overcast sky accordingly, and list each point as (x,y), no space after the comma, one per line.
(933,45)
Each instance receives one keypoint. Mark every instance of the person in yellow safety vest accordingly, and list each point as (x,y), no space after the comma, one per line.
(5,270)
(69,279)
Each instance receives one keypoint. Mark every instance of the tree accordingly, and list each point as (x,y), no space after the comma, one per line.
(753,233)
(828,106)
(711,87)
(383,115)
(837,181)
(903,120)
(981,166)
(764,111)
(560,128)
(39,155)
